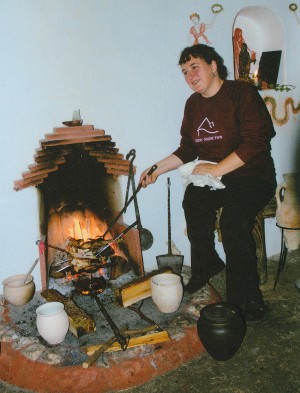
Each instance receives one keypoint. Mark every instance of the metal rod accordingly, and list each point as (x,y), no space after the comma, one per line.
(121,339)
(152,169)
(143,316)
(99,252)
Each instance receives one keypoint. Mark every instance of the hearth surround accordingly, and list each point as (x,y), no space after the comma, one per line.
(76,172)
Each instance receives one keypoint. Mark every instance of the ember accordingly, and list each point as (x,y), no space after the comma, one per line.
(89,285)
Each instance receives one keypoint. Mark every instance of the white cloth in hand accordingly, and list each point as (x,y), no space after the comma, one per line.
(206,179)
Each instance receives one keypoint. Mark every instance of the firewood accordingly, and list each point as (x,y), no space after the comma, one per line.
(98,352)
(138,289)
(147,339)
(80,322)
(105,346)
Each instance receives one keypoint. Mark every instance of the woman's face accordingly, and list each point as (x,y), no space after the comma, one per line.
(200,76)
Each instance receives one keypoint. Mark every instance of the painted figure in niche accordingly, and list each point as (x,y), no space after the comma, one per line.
(198,29)
(245,61)
(243,56)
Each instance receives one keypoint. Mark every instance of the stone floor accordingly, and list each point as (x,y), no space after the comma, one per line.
(267,361)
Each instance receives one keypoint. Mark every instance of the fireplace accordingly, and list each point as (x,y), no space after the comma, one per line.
(76,172)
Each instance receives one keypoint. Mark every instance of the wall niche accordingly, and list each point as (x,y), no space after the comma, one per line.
(259,47)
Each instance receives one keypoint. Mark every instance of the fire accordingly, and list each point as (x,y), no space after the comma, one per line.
(69,276)
(88,246)
(79,225)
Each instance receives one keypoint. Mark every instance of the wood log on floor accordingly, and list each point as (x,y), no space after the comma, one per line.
(146,339)
(138,289)
(80,322)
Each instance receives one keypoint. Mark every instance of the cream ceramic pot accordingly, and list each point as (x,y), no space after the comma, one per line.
(52,322)
(166,292)
(288,210)
(16,291)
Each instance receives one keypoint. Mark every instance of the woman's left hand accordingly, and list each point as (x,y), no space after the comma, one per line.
(204,168)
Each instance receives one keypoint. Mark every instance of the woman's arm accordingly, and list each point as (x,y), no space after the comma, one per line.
(165,165)
(229,164)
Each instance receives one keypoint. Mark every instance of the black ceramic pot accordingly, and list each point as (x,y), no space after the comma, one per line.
(221,329)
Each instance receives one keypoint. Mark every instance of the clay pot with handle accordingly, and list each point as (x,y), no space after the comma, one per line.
(288,210)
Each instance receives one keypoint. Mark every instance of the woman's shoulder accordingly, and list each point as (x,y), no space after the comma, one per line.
(193,98)
(238,89)
(239,85)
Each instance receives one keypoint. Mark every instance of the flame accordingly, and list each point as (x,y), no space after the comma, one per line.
(77,225)
(82,226)
(70,277)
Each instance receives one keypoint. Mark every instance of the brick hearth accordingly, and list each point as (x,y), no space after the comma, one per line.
(28,362)
(57,146)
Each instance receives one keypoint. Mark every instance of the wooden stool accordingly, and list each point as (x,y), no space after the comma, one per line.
(259,236)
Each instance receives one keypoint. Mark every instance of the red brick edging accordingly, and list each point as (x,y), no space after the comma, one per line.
(16,369)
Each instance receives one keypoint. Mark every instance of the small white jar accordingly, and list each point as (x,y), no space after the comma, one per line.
(52,322)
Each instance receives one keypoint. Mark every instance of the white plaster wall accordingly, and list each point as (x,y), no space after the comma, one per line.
(116,61)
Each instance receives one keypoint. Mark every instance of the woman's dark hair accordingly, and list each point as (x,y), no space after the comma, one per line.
(208,54)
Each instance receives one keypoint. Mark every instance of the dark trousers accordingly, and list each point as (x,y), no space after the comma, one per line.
(241,200)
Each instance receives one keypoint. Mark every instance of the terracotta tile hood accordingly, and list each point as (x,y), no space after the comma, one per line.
(62,142)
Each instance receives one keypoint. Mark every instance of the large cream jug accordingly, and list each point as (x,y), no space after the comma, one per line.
(166,292)
(288,210)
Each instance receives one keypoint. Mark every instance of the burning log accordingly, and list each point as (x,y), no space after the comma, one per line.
(80,322)
(88,256)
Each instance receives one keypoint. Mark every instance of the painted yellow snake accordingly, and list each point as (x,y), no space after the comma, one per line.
(272,104)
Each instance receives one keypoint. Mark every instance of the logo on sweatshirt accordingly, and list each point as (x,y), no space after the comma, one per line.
(208,127)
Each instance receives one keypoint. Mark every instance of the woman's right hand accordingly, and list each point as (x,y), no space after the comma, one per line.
(146,179)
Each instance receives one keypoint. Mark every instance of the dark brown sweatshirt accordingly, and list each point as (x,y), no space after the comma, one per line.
(233,120)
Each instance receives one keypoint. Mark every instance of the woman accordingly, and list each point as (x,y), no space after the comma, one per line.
(227,123)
